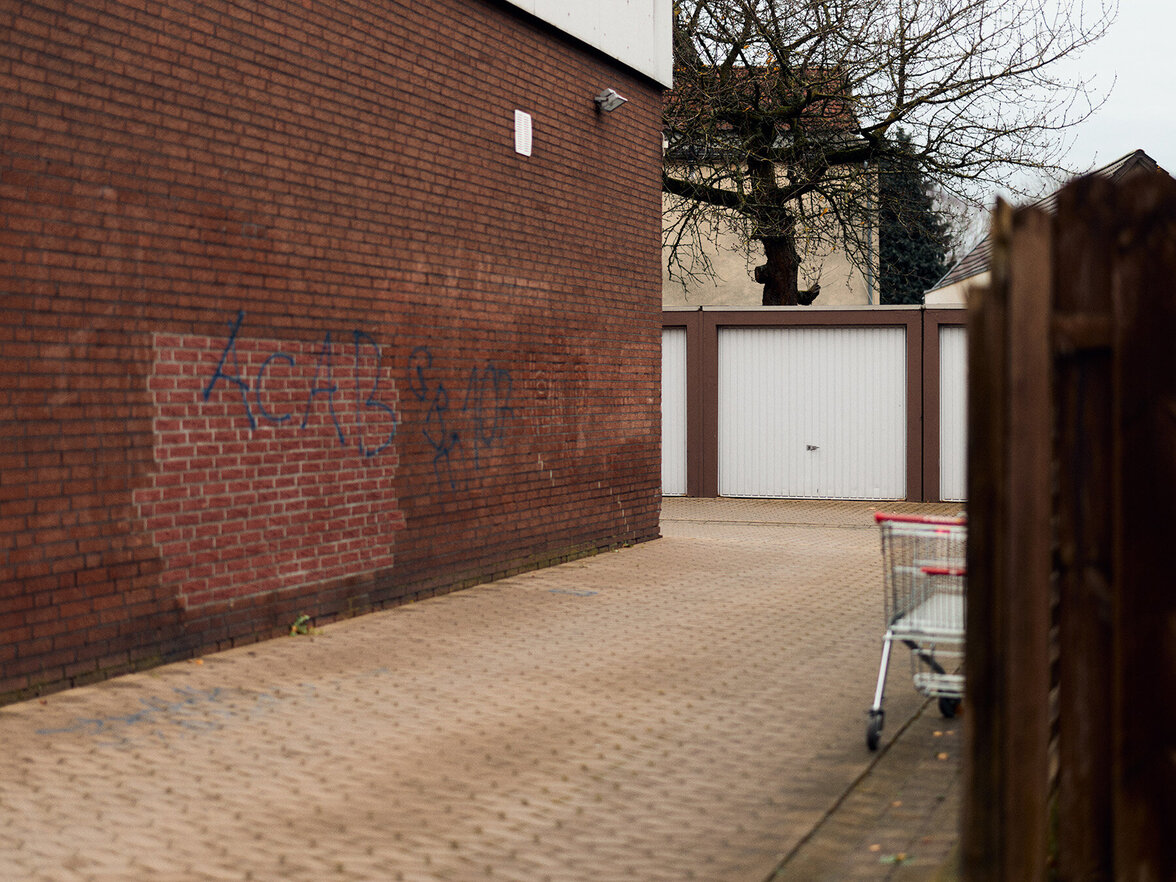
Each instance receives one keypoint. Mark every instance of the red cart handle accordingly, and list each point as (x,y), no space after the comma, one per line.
(945,571)
(880,516)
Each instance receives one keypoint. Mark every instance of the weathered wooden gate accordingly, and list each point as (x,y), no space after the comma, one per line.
(1072,522)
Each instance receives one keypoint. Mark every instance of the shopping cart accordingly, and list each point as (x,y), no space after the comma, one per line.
(925,572)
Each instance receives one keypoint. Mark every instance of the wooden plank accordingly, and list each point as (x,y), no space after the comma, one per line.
(1005,813)
(1144,607)
(1083,332)
(1026,563)
(981,835)
(1082,339)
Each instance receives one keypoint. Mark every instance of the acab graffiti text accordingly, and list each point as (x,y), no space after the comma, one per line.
(370,411)
(460,430)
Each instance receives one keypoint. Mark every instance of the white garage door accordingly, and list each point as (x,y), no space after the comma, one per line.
(812,412)
(953,414)
(673,411)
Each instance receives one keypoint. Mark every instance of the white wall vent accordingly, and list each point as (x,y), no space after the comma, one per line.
(522,133)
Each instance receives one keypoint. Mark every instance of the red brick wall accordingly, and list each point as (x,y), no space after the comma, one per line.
(290,328)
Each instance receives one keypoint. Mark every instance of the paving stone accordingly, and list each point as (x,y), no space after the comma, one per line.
(689,708)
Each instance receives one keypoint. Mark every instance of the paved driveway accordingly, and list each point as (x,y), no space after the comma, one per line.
(689,708)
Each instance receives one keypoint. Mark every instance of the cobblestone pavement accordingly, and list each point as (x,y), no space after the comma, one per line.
(899,822)
(689,708)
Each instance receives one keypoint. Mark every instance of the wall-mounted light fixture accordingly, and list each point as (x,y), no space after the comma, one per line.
(609,100)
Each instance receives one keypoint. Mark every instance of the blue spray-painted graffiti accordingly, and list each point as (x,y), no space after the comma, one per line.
(367,402)
(160,719)
(460,437)
(190,712)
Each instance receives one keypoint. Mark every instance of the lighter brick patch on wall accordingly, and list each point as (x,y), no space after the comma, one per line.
(274,463)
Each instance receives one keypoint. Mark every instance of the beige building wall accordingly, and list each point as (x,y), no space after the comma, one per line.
(842,283)
(955,294)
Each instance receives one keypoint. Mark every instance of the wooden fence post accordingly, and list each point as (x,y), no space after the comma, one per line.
(1144,604)
(1028,563)
(1009,558)
(980,839)
(1082,341)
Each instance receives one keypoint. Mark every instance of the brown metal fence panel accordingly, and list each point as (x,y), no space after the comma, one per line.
(921,328)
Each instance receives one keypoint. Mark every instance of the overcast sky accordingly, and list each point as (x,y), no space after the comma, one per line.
(1140,50)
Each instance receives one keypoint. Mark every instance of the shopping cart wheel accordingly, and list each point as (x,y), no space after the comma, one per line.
(948,706)
(873,729)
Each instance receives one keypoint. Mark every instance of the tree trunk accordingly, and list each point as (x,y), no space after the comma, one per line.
(778,275)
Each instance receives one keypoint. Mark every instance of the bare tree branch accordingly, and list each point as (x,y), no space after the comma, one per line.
(780,105)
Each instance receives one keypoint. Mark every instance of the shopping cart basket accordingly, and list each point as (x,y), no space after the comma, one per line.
(925,574)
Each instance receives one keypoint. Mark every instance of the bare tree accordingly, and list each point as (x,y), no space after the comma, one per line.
(783,110)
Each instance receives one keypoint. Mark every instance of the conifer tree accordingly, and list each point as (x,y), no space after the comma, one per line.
(913,239)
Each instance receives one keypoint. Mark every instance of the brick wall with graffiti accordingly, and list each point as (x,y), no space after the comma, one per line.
(290,328)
